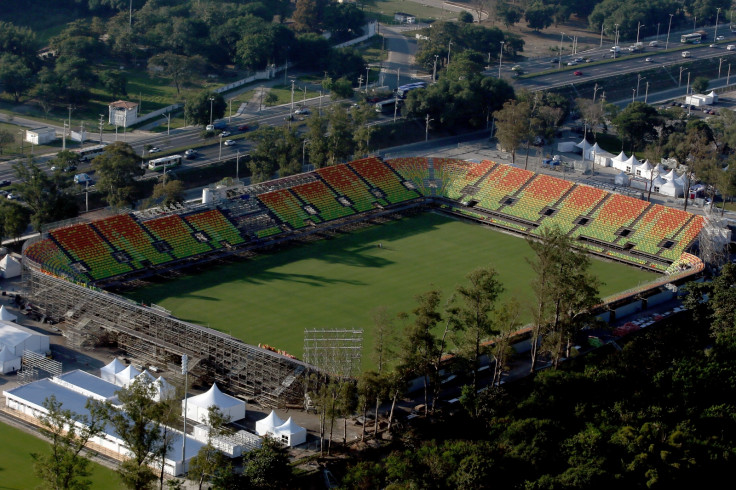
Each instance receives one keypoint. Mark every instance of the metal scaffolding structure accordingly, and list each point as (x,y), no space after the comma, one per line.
(336,352)
(155,339)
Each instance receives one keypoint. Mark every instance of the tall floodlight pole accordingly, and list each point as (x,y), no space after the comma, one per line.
(720,62)
(669,28)
(633,95)
(638,28)
(715,34)
(500,60)
(638,79)
(646,93)
(185,372)
(679,79)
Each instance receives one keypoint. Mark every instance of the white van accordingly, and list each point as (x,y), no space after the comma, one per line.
(686,54)
(653,44)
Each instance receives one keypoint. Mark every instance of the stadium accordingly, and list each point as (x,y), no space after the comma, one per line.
(74,272)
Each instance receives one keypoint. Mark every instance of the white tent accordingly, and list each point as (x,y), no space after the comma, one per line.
(148,376)
(9,362)
(713,95)
(290,434)
(644,170)
(6,315)
(125,377)
(585,148)
(671,175)
(671,188)
(198,406)
(108,372)
(657,183)
(621,179)
(268,424)
(619,161)
(9,267)
(600,156)
(18,338)
(631,164)
(164,390)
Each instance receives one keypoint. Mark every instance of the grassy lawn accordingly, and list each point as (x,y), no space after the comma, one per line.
(385,9)
(13,150)
(283,92)
(371,50)
(16,465)
(336,283)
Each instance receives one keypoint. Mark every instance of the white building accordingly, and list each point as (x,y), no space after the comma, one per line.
(123,113)
(18,338)
(40,136)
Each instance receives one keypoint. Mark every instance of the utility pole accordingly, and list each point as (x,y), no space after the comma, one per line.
(728,75)
(360,82)
(687,92)
(212,100)
(185,372)
(638,28)
(230,117)
(434,70)
(669,28)
(426,128)
(679,79)
(237,167)
(633,95)
(646,93)
(715,34)
(601,36)
(720,62)
(396,105)
(168,124)
(500,59)
(63,139)
(559,62)
(449,47)
(81,134)
(260,104)
(367,76)
(102,123)
(638,79)
(595,91)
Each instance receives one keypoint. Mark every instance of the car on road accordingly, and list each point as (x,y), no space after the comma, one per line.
(224,134)
(5,183)
(577,73)
(686,54)
(191,154)
(209,127)
(12,197)
(649,60)
(713,46)
(588,60)
(731,47)
(579,60)
(302,110)
(572,63)
(720,38)
(243,127)
(155,149)
(229,142)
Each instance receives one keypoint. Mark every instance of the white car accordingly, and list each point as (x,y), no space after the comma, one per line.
(225,134)
(713,46)
(731,47)
(720,38)
(155,149)
(302,110)
(572,63)
(229,142)
(649,60)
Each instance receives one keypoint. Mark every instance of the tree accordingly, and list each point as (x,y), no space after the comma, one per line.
(713,304)
(115,82)
(6,138)
(47,196)
(309,15)
(204,466)
(277,148)
(340,142)
(508,14)
(199,110)
(341,88)
(137,424)
(700,84)
(637,124)
(512,123)
(14,220)
(116,170)
(472,316)
(19,41)
(538,15)
(267,467)
(65,467)
(168,192)
(178,67)
(15,75)
(465,17)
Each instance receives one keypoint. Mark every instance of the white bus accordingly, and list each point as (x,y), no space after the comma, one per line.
(170,161)
(87,154)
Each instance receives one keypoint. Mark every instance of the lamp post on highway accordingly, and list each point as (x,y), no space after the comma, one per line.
(559,62)
(679,80)
(646,93)
(715,34)
(434,69)
(638,79)
(669,27)
(720,62)
(633,95)
(601,36)
(595,91)
(212,99)
(500,60)
(615,42)
(638,28)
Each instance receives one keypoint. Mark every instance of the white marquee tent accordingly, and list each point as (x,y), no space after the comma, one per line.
(109,371)
(125,377)
(164,390)
(621,179)
(671,175)
(600,156)
(631,164)
(9,267)
(198,406)
(268,423)
(671,188)
(6,315)
(9,362)
(290,434)
(585,148)
(18,338)
(148,376)
(619,161)
(644,170)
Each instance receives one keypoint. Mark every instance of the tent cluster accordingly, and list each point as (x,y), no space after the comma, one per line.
(197,407)
(15,339)
(117,373)
(288,433)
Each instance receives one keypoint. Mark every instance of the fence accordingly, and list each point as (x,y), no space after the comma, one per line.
(370,31)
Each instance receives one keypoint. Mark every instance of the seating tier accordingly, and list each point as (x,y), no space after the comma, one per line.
(217,226)
(616,212)
(415,169)
(379,175)
(126,234)
(543,191)
(455,174)
(52,259)
(287,207)
(85,245)
(322,198)
(503,181)
(658,223)
(579,202)
(684,238)
(343,180)
(177,234)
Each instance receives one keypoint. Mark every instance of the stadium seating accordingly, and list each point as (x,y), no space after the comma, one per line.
(83,244)
(52,259)
(543,191)
(658,223)
(124,233)
(684,238)
(274,230)
(177,234)
(344,181)
(319,195)
(616,212)
(579,202)
(379,175)
(455,174)
(415,169)
(503,180)
(216,225)
(287,208)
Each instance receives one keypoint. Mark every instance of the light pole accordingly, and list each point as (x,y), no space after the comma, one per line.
(695,21)
(220,155)
(260,103)
(638,28)
(367,73)
(633,95)
(212,100)
(237,166)
(559,62)
(434,70)
(426,128)
(638,79)
(679,79)
(185,372)
(63,138)
(304,154)
(728,74)
(615,42)
(500,60)
(715,34)
(669,27)
(102,118)
(720,62)
(687,92)
(595,91)
(646,93)
(601,36)
(449,46)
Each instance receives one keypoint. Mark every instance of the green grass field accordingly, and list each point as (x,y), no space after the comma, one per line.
(336,283)
(16,465)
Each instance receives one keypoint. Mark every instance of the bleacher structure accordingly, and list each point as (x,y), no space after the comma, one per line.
(70,267)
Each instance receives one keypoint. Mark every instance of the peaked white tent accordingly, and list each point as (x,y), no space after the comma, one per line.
(6,315)
(268,423)
(631,164)
(164,390)
(713,95)
(619,161)
(147,376)
(9,362)
(671,188)
(585,147)
(657,183)
(9,267)
(125,377)
(198,406)
(600,156)
(109,371)
(644,170)
(621,179)
(18,338)
(671,175)
(290,434)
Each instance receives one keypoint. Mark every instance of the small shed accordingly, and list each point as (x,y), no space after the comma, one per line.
(40,136)
(9,267)
(621,179)
(123,113)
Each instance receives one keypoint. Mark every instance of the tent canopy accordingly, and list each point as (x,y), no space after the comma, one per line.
(268,423)
(126,376)
(198,406)
(290,433)
(621,157)
(5,354)
(10,267)
(6,315)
